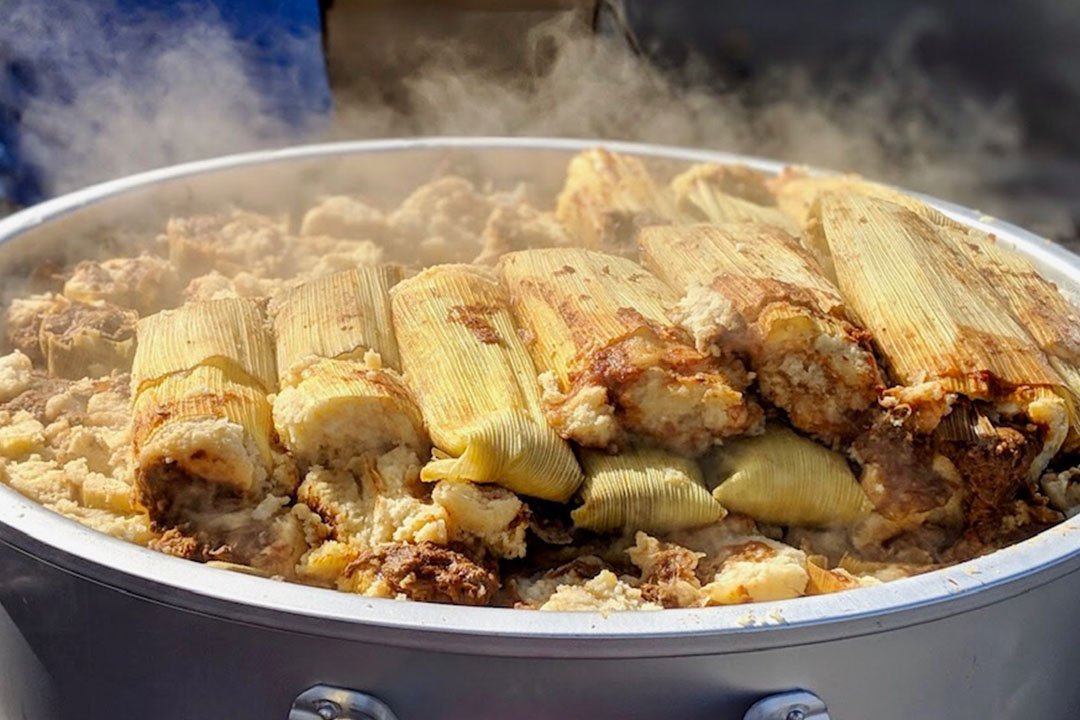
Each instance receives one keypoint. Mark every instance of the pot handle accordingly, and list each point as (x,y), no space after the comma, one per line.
(323,702)
(793,705)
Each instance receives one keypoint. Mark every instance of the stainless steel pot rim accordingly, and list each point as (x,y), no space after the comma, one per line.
(31,528)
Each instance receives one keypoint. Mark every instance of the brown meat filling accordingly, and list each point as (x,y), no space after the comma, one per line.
(172,495)
(430,573)
(994,462)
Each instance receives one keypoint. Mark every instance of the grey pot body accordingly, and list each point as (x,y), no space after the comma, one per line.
(108,630)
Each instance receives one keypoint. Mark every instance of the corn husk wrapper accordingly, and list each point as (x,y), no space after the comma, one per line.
(200,405)
(708,192)
(643,489)
(338,316)
(781,478)
(230,331)
(476,385)
(608,197)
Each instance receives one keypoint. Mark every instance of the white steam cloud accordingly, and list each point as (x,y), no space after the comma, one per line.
(189,95)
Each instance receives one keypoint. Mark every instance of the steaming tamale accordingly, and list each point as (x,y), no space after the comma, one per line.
(613,363)
(750,288)
(608,197)
(334,404)
(476,385)
(723,194)
(202,424)
(947,339)
(643,489)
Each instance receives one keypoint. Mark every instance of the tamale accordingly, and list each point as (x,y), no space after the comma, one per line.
(334,404)
(1053,321)
(712,192)
(1033,300)
(643,489)
(614,364)
(946,337)
(476,385)
(81,339)
(608,197)
(781,478)
(932,315)
(749,288)
(202,423)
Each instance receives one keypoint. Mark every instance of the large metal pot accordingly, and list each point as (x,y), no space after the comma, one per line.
(126,632)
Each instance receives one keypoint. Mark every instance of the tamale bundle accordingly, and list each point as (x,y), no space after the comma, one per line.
(946,337)
(608,197)
(476,385)
(781,478)
(749,288)
(1033,300)
(202,424)
(334,404)
(643,489)
(726,193)
(81,339)
(616,365)
(1036,302)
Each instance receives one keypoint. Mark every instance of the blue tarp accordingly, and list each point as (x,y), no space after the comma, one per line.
(50,50)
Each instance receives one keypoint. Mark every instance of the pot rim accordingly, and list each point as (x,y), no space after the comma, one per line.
(132,569)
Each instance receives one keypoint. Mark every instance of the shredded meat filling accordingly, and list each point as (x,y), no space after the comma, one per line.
(430,573)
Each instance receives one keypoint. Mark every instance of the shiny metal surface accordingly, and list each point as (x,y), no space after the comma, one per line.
(951,639)
(323,702)
(794,705)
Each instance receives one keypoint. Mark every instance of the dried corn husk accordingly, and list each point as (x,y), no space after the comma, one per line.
(598,325)
(608,197)
(750,288)
(230,331)
(708,192)
(338,316)
(644,489)
(781,478)
(824,581)
(476,385)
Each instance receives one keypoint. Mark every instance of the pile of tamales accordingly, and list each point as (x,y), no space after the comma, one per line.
(718,358)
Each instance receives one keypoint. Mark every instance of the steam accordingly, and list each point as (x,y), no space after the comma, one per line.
(189,95)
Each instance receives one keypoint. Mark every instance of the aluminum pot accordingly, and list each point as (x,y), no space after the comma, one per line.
(120,631)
